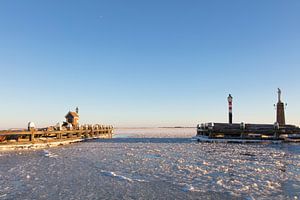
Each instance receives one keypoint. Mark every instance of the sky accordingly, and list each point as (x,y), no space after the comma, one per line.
(142,63)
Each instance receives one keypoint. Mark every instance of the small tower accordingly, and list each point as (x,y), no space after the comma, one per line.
(280,117)
(72,118)
(77,110)
(230,108)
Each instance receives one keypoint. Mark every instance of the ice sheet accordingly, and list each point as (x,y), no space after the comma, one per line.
(144,166)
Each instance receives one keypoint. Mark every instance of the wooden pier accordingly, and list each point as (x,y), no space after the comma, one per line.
(251,132)
(68,132)
(53,134)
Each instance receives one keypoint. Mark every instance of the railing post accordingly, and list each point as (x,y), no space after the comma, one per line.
(31,136)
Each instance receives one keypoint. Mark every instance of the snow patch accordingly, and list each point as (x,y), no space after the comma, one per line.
(49,154)
(189,188)
(121,177)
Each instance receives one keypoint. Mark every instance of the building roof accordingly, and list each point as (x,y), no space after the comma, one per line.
(73,114)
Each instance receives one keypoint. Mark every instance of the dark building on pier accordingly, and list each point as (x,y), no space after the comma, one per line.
(73,118)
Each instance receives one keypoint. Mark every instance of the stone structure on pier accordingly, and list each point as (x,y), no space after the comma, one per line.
(280,117)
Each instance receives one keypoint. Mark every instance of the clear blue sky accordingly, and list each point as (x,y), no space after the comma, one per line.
(148,63)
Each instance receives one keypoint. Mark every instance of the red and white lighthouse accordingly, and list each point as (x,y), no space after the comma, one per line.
(230,108)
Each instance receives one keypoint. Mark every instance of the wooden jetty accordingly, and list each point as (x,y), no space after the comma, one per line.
(68,132)
(34,135)
(247,132)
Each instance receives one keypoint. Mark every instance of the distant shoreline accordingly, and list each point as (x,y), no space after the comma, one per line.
(177,127)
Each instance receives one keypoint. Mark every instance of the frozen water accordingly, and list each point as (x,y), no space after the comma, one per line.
(152,164)
(156,132)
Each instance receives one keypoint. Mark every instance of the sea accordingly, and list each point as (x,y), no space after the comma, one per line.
(152,163)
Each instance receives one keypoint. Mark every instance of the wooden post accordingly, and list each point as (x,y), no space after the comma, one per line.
(31,136)
(92,132)
(210,135)
(242,127)
(59,135)
(17,138)
(276,135)
(86,134)
(276,127)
